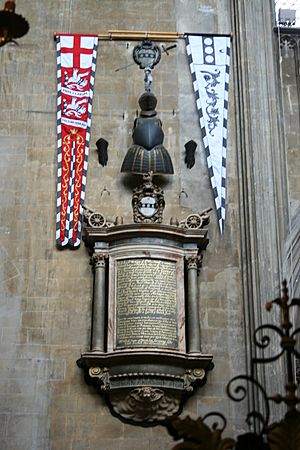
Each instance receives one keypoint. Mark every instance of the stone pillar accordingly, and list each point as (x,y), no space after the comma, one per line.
(98,324)
(193,266)
(261,170)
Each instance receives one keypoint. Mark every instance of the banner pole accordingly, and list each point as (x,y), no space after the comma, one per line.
(137,35)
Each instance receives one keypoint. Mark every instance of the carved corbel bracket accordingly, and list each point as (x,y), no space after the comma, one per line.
(143,397)
(100,377)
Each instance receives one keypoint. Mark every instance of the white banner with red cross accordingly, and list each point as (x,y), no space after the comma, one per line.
(76,65)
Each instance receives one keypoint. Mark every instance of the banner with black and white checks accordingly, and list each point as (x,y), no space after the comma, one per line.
(209,58)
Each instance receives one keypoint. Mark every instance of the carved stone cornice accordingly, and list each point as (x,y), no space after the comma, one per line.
(149,230)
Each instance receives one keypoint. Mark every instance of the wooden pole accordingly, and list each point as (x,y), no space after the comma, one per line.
(138,35)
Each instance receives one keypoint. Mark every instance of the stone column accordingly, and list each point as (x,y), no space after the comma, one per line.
(98,324)
(193,266)
(261,171)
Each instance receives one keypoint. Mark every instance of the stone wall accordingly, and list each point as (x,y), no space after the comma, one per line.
(288,49)
(45,300)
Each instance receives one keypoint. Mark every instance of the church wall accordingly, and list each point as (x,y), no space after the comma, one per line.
(45,301)
(290,93)
(288,47)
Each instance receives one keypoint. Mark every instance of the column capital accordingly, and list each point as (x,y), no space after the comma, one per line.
(194,262)
(98,260)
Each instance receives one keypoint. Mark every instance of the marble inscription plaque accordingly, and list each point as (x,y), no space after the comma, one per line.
(146,303)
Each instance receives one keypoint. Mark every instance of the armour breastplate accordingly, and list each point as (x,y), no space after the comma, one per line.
(148,133)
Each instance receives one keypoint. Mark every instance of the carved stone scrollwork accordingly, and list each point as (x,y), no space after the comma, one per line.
(191,377)
(194,262)
(102,377)
(145,404)
(146,394)
(142,397)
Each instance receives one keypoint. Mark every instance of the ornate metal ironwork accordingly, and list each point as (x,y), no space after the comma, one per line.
(284,435)
(12,25)
(197,435)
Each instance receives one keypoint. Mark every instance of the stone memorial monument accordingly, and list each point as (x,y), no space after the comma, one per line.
(145,354)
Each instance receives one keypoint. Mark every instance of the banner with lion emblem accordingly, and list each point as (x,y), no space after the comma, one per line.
(76,65)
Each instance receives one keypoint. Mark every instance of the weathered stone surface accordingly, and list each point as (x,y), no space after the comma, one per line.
(46,295)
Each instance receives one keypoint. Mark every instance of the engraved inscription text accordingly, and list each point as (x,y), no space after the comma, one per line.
(146,303)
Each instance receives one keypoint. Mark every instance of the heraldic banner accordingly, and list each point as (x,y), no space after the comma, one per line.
(76,64)
(209,58)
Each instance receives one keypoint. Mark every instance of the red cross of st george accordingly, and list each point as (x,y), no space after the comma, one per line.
(77,50)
